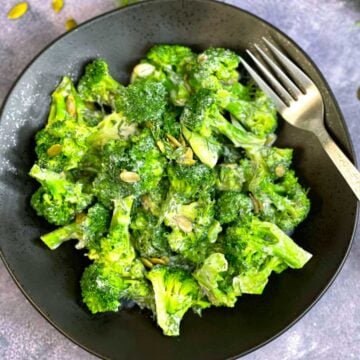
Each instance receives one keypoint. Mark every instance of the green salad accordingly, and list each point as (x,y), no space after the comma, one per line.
(171,185)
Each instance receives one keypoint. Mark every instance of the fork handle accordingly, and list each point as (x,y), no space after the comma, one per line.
(350,173)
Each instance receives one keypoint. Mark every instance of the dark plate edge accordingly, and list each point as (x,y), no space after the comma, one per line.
(332,96)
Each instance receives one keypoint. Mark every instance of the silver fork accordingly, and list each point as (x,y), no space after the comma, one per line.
(300,103)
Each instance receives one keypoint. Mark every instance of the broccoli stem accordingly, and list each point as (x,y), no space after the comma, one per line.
(58,105)
(285,248)
(121,215)
(239,137)
(55,182)
(55,238)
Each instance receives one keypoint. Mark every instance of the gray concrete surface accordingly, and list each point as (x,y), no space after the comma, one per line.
(327,31)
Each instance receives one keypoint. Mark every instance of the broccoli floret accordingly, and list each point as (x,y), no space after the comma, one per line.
(172,61)
(58,199)
(277,160)
(97,85)
(116,250)
(175,293)
(141,292)
(116,273)
(190,180)
(49,151)
(87,229)
(232,205)
(240,91)
(257,115)
(202,115)
(116,245)
(189,211)
(65,103)
(149,237)
(142,101)
(284,202)
(166,125)
(166,132)
(255,248)
(107,185)
(153,201)
(213,69)
(136,170)
(194,227)
(278,196)
(101,288)
(62,143)
(230,177)
(215,282)
(254,279)
(171,57)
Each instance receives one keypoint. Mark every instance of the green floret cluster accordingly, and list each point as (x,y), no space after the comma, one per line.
(169,184)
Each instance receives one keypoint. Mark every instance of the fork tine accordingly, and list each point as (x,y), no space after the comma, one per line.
(299,75)
(264,86)
(280,73)
(284,94)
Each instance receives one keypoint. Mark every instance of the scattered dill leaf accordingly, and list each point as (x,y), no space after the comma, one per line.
(70,24)
(18,10)
(57,5)
(358,93)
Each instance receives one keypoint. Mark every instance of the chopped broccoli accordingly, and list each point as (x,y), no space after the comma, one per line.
(166,133)
(213,69)
(48,144)
(149,237)
(58,199)
(61,145)
(65,102)
(230,177)
(141,292)
(215,282)
(190,180)
(135,170)
(144,100)
(172,57)
(203,116)
(116,246)
(97,85)
(277,194)
(257,115)
(175,293)
(87,229)
(172,61)
(232,206)
(255,248)
(194,227)
(101,288)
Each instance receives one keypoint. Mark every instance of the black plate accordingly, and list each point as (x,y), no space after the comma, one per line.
(50,280)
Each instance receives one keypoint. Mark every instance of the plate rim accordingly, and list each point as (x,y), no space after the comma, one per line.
(334,101)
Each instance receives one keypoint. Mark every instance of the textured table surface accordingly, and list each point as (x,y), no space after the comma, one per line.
(326,30)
